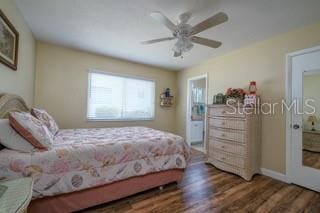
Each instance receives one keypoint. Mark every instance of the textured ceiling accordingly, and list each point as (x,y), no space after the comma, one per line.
(116,27)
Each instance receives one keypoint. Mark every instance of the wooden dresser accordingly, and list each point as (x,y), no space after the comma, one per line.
(233,139)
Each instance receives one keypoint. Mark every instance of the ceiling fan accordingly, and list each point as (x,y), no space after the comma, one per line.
(185,33)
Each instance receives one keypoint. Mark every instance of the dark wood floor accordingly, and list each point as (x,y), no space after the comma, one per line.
(207,189)
(311,159)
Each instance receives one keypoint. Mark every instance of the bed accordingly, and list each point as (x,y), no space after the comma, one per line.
(87,167)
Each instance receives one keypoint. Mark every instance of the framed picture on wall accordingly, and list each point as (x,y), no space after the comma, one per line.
(9,42)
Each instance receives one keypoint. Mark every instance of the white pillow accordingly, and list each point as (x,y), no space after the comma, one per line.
(11,139)
(46,118)
(31,129)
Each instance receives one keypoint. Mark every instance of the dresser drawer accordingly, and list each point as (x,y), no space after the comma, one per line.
(230,123)
(228,134)
(311,141)
(229,159)
(216,144)
(231,132)
(226,111)
(310,136)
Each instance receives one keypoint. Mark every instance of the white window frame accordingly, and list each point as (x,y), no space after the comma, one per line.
(124,76)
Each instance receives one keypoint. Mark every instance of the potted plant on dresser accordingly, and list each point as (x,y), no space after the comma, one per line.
(235,96)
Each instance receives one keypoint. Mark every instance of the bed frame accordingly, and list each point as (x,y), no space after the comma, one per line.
(83,199)
(11,103)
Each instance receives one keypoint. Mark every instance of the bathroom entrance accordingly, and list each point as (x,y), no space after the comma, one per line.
(196,112)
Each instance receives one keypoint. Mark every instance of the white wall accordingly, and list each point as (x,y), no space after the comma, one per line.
(19,82)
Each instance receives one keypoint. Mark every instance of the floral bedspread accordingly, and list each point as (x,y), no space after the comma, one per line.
(84,158)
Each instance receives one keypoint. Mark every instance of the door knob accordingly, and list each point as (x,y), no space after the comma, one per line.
(295,126)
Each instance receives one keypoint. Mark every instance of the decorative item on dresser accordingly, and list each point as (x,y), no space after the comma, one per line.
(235,96)
(251,98)
(219,99)
(233,141)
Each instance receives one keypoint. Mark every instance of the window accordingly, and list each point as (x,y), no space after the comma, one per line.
(113,97)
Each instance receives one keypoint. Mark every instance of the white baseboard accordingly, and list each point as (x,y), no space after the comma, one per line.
(275,175)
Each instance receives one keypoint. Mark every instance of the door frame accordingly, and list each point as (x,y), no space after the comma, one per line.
(288,99)
(188,112)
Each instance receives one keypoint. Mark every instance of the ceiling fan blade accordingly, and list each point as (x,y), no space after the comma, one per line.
(215,20)
(185,17)
(206,42)
(177,54)
(164,20)
(157,40)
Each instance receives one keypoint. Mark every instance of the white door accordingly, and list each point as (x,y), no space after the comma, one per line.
(305,66)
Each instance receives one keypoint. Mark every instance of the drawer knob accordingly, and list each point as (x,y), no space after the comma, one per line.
(223,123)
(223,135)
(223,112)
(223,146)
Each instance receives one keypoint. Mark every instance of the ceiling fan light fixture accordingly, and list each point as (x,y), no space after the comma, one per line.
(185,33)
(183,45)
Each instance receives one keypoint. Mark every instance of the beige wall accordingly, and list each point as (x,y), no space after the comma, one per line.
(263,62)
(62,80)
(20,82)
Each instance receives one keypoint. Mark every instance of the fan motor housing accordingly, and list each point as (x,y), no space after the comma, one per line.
(183,31)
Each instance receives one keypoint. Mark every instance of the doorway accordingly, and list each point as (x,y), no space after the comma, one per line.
(196,112)
(303,129)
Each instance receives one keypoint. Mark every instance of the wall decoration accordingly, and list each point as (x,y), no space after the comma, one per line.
(166,99)
(9,42)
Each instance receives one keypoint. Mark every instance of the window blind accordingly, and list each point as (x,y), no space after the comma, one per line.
(113,97)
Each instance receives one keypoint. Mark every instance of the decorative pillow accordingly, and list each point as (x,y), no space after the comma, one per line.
(10,139)
(31,129)
(46,118)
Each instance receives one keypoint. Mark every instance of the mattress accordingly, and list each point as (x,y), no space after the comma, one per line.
(85,158)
